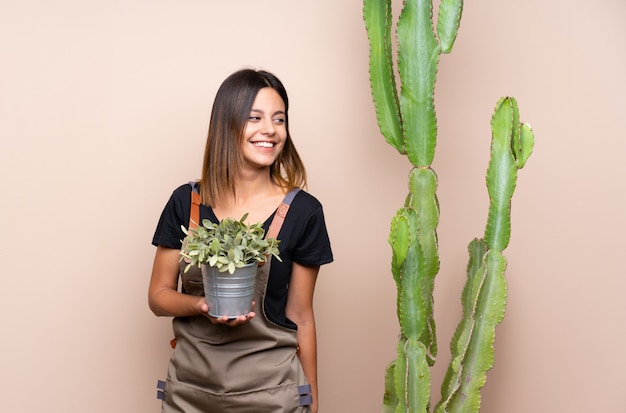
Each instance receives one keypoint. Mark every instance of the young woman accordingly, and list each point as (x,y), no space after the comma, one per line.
(266,361)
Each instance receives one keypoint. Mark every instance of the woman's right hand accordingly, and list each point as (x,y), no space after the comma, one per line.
(163,297)
(165,300)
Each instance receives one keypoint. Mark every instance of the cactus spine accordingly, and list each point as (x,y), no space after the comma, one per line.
(408,122)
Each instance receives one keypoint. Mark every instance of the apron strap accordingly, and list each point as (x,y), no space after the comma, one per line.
(194,216)
(277,222)
(194,221)
(160,390)
(281,213)
(304,391)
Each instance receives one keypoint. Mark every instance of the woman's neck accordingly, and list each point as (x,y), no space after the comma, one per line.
(258,196)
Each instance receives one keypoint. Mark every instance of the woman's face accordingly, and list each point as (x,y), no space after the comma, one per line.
(266,130)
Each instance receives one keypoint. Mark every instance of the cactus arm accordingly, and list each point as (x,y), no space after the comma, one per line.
(399,238)
(448,22)
(484,294)
(423,187)
(407,384)
(479,357)
(410,300)
(501,175)
(411,377)
(418,56)
(461,338)
(523,147)
(511,145)
(390,399)
(477,250)
(377,16)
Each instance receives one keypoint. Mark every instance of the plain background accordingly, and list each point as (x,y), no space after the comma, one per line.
(104,107)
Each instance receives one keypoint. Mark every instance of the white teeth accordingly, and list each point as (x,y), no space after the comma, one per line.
(264,144)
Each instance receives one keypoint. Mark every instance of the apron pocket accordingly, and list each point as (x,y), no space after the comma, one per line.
(182,397)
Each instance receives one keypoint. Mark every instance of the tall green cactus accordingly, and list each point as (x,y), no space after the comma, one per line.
(408,122)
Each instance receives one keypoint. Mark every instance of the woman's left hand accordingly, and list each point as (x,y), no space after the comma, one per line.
(232,322)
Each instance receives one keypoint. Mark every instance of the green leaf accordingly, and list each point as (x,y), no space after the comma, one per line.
(229,244)
(213,260)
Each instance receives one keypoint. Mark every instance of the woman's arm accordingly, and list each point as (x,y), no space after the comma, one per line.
(163,297)
(300,311)
(165,300)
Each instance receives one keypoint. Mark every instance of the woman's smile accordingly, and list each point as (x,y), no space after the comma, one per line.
(264,144)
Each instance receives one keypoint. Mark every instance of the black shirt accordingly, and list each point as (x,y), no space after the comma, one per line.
(303,239)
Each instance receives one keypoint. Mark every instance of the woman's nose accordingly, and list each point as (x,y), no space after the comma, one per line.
(268,127)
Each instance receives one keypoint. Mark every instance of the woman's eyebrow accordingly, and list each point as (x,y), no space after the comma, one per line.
(278,112)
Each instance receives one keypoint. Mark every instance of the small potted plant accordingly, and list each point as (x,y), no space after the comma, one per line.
(228,254)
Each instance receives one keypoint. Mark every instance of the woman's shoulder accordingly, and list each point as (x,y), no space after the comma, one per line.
(180,199)
(184,189)
(175,213)
(181,194)
(306,199)
(305,206)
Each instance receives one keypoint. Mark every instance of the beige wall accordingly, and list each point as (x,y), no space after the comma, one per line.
(104,106)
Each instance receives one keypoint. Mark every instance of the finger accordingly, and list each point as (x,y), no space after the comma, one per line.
(219,320)
(242,319)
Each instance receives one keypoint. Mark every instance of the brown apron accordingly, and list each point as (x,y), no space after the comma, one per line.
(250,368)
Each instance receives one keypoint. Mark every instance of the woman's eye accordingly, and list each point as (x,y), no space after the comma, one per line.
(254,118)
(279,121)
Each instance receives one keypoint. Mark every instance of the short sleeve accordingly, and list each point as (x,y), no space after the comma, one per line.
(313,247)
(168,232)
